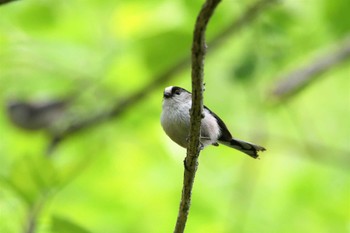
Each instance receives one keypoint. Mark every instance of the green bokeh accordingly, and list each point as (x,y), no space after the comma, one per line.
(125,175)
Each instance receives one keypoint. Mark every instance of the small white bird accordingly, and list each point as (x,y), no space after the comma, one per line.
(175,120)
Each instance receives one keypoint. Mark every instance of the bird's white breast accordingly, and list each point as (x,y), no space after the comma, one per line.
(175,120)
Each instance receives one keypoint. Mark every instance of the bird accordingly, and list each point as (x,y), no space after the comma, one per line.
(175,121)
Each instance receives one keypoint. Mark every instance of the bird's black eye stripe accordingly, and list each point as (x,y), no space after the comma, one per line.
(176,90)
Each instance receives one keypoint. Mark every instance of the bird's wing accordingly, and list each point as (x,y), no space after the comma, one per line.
(225,135)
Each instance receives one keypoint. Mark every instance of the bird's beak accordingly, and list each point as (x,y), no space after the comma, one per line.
(167,94)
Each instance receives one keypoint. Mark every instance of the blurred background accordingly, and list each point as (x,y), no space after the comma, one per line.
(277,72)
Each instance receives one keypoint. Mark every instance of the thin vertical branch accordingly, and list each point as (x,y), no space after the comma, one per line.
(247,17)
(193,148)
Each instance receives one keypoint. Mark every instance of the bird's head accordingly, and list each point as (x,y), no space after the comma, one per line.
(176,94)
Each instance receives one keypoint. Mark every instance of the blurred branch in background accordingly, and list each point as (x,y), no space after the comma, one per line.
(336,157)
(292,83)
(6,1)
(199,48)
(36,115)
(36,181)
(33,215)
(122,105)
(317,152)
(326,155)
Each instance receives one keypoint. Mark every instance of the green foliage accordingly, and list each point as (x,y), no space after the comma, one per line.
(30,178)
(60,225)
(336,18)
(125,175)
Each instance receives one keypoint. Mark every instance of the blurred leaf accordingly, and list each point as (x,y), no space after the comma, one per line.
(30,178)
(337,16)
(279,20)
(245,69)
(62,225)
(38,15)
(271,40)
(160,50)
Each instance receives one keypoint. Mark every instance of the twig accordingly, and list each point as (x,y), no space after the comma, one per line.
(33,215)
(120,107)
(6,1)
(292,83)
(193,148)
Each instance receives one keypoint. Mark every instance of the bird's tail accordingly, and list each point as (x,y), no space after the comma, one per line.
(245,147)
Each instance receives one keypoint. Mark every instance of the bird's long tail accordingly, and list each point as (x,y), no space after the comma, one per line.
(245,147)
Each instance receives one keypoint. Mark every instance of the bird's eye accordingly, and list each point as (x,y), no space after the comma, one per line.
(177,92)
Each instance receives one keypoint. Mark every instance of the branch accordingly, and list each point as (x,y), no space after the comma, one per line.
(120,107)
(34,213)
(290,84)
(193,148)
(6,1)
